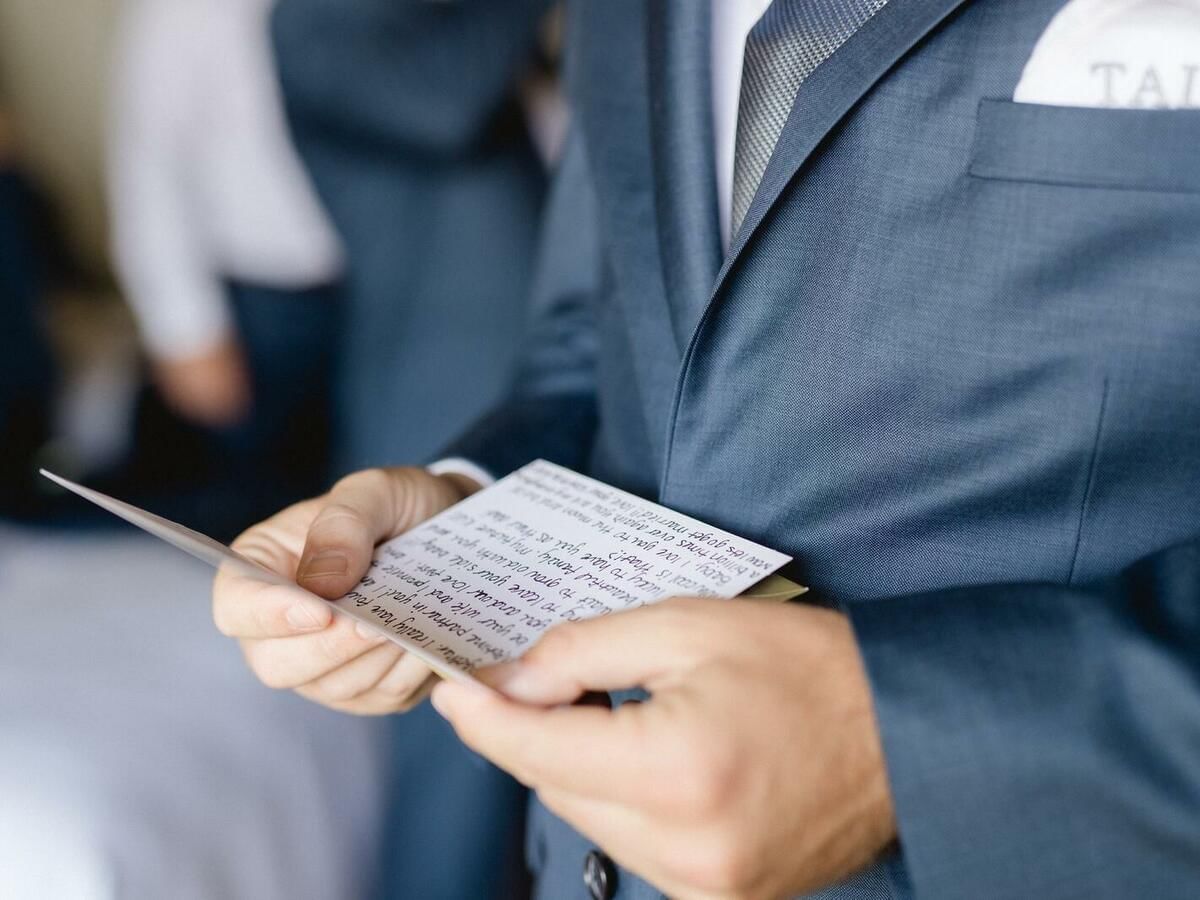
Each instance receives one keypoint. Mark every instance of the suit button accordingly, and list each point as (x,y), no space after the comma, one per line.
(599,875)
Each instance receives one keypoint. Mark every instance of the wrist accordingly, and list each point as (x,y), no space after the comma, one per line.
(858,821)
(877,822)
(462,486)
(464,476)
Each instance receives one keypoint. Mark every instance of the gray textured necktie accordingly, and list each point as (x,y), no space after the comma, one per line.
(784,47)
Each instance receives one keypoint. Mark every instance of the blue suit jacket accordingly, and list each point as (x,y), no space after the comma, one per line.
(952,365)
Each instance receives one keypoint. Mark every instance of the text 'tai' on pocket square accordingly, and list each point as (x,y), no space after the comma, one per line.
(1119,54)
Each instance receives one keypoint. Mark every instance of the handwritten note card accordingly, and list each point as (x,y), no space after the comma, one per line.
(478,583)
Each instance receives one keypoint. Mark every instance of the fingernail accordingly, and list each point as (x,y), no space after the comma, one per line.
(367,633)
(302,617)
(325,563)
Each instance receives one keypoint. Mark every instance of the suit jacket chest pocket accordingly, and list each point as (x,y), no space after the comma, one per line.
(1093,225)
(1119,149)
(1094,217)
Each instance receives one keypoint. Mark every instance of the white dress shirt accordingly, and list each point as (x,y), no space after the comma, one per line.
(205,183)
(731,24)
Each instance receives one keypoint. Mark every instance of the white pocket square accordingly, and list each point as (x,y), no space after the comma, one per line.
(1127,54)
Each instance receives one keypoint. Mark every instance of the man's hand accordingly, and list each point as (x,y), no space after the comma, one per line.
(755,769)
(210,388)
(325,545)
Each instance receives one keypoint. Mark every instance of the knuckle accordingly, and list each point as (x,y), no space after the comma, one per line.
(263,619)
(361,478)
(370,481)
(338,514)
(707,777)
(252,543)
(336,646)
(675,616)
(717,863)
(274,679)
(680,612)
(229,598)
(404,686)
(221,617)
(260,658)
(560,642)
(313,693)
(251,537)
(403,689)
(679,604)
(362,706)
(334,689)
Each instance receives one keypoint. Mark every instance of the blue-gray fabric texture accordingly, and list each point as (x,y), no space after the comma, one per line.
(950,364)
(404,114)
(783,48)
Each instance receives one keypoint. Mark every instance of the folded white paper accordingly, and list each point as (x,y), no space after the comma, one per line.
(479,583)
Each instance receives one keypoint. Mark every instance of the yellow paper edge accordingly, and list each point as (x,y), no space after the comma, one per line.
(775,588)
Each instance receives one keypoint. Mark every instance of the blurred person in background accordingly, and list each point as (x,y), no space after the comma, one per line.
(229,263)
(26,366)
(409,118)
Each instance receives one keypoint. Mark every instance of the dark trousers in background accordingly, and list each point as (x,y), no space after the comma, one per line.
(220,481)
(26,366)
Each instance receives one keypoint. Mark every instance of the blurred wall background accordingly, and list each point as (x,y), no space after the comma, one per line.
(53,67)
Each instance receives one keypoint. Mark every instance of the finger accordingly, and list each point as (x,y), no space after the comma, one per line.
(379,702)
(362,510)
(252,608)
(249,609)
(623,650)
(355,678)
(408,683)
(359,512)
(290,662)
(276,542)
(588,750)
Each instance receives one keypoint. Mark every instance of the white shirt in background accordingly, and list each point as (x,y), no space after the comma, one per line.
(205,183)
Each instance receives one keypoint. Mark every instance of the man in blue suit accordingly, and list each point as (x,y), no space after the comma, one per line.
(948,362)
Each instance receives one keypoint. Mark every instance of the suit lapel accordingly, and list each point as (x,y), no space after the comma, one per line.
(608,71)
(824,99)
(830,93)
(681,124)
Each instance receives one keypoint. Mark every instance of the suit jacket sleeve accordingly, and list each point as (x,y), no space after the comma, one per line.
(1044,741)
(551,412)
(425,78)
